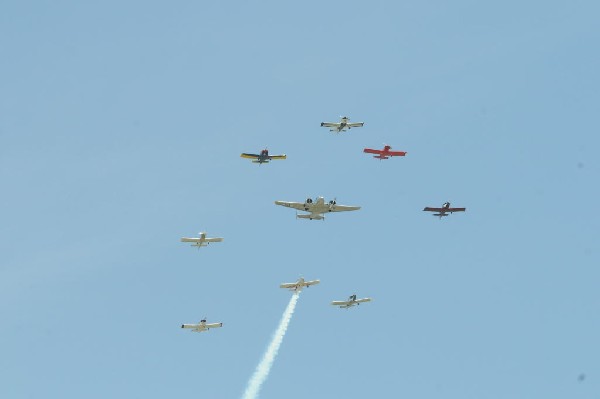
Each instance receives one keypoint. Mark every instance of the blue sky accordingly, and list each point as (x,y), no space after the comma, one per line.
(121,126)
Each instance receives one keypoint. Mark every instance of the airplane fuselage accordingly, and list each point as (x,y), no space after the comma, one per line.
(317,208)
(343,125)
(202,242)
(443,212)
(263,157)
(299,285)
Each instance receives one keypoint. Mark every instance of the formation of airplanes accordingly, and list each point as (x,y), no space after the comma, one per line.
(296,287)
(316,209)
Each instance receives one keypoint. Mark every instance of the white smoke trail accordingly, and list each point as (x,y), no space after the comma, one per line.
(262,370)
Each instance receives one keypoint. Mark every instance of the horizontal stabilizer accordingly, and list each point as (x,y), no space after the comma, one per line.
(311,217)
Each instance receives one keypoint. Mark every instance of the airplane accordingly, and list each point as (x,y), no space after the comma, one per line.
(385,153)
(316,208)
(263,157)
(298,285)
(202,326)
(342,125)
(352,301)
(202,240)
(444,210)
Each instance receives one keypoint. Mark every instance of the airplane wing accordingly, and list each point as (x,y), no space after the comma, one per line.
(372,151)
(355,124)
(283,156)
(361,300)
(340,303)
(456,209)
(186,239)
(313,282)
(344,208)
(214,239)
(295,205)
(397,153)
(429,209)
(330,124)
(250,156)
(214,325)
(287,285)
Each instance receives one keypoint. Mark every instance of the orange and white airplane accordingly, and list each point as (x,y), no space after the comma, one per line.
(385,153)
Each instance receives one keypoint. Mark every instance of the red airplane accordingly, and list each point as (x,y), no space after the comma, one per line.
(444,210)
(385,153)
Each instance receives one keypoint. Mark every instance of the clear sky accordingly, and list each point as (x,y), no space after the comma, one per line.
(121,125)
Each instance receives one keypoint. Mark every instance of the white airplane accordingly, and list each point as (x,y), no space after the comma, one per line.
(298,285)
(352,301)
(316,208)
(342,125)
(202,240)
(202,326)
